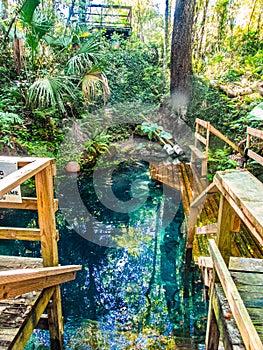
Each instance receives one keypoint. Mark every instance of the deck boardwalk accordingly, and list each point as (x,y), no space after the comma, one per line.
(14,312)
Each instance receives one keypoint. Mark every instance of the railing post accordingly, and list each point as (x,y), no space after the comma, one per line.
(228,222)
(47,225)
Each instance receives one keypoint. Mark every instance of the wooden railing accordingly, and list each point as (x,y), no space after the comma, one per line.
(202,135)
(109,16)
(241,201)
(48,278)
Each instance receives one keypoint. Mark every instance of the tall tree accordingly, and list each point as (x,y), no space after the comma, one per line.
(167,23)
(181,52)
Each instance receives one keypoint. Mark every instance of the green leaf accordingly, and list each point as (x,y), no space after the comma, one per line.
(28,9)
(149,127)
(256,113)
(165,135)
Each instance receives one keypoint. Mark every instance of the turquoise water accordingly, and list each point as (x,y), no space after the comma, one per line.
(134,291)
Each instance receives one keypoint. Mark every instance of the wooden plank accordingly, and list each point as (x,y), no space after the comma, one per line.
(207,229)
(200,138)
(197,152)
(23,234)
(55,320)
(46,216)
(19,176)
(30,324)
(27,203)
(22,161)
(202,122)
(199,200)
(247,278)
(19,262)
(246,264)
(229,332)
(255,132)
(216,132)
(248,332)
(205,261)
(255,156)
(17,282)
(247,204)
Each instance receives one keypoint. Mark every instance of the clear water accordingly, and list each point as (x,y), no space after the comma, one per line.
(134,291)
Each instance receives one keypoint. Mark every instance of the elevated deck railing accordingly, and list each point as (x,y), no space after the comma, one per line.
(15,282)
(254,144)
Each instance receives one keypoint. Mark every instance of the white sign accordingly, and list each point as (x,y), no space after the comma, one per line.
(14,195)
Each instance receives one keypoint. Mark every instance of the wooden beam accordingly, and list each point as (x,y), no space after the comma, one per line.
(255,156)
(27,203)
(200,138)
(22,337)
(224,228)
(55,321)
(18,262)
(207,229)
(202,122)
(197,152)
(21,161)
(216,132)
(17,282)
(199,200)
(246,264)
(46,216)
(22,234)
(19,176)
(247,330)
(229,333)
(255,132)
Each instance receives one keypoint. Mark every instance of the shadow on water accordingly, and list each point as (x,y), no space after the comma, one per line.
(135,293)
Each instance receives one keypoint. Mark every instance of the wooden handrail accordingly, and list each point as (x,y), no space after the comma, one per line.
(21,175)
(247,329)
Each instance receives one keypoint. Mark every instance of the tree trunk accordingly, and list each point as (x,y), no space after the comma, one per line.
(181,53)
(167,23)
(199,51)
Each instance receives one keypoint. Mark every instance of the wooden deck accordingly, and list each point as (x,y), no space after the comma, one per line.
(28,286)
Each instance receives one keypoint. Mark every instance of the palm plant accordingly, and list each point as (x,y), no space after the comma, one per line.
(93,80)
(50,92)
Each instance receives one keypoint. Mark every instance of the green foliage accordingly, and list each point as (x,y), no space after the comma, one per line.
(50,92)
(134,73)
(9,124)
(219,161)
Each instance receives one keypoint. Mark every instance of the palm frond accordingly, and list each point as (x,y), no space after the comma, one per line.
(85,57)
(50,92)
(92,82)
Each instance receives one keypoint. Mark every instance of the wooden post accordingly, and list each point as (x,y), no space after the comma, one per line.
(46,216)
(227,222)
(212,331)
(47,225)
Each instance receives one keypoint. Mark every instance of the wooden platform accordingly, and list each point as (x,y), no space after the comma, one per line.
(15,311)
(19,315)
